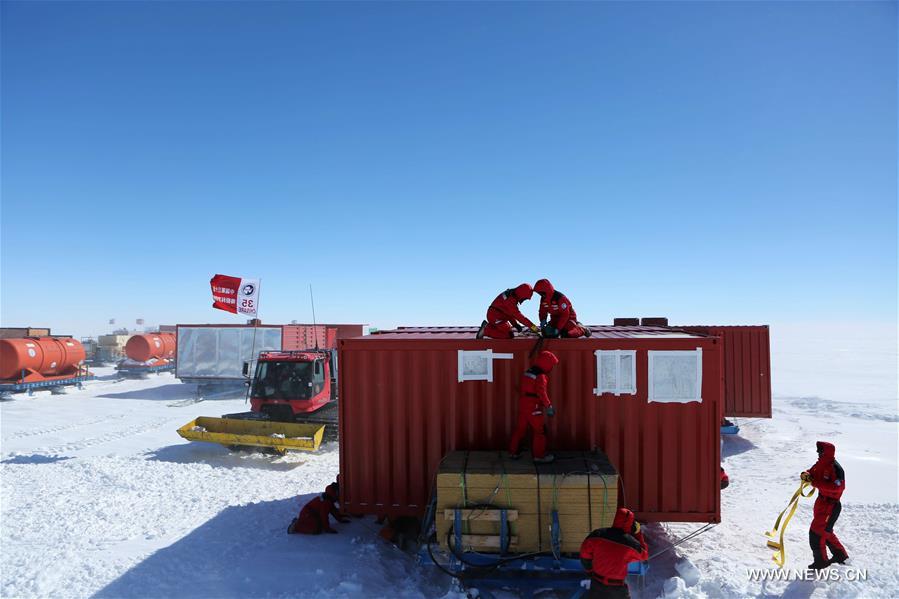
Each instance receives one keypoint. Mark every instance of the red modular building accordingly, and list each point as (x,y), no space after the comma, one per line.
(305,336)
(651,397)
(747,368)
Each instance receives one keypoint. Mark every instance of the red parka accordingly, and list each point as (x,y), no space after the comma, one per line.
(505,306)
(606,552)
(532,402)
(534,397)
(314,518)
(827,475)
(555,305)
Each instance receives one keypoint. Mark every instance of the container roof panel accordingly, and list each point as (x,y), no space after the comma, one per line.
(598,331)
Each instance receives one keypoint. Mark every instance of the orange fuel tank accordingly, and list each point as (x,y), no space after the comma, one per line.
(39,357)
(141,348)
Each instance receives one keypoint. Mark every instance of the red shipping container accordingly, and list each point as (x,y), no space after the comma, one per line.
(747,368)
(403,407)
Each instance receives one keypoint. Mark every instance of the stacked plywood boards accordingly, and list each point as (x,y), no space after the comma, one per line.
(581,488)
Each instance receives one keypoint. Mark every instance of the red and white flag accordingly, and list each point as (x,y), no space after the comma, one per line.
(235,295)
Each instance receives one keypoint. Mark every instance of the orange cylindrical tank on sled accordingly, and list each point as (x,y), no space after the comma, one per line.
(141,348)
(44,356)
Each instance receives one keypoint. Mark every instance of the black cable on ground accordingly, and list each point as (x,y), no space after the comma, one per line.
(689,537)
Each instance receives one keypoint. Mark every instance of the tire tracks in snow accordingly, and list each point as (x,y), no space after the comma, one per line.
(109,437)
(64,427)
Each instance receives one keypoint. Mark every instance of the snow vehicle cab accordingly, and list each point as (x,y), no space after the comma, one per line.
(290,384)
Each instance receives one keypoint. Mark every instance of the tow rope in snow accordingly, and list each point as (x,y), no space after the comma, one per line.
(780,550)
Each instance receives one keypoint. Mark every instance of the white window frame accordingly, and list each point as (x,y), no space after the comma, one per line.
(488,353)
(679,353)
(618,353)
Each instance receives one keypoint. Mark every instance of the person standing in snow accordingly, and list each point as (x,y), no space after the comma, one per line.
(503,314)
(606,552)
(562,317)
(314,518)
(533,402)
(828,477)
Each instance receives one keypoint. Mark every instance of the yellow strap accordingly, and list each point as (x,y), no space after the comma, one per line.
(780,552)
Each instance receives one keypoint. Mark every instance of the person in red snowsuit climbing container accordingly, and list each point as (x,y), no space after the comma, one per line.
(533,403)
(562,317)
(314,518)
(503,314)
(606,552)
(828,477)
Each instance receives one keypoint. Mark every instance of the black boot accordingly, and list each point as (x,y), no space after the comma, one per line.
(480,334)
(839,557)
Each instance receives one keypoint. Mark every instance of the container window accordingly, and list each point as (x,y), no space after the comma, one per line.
(616,372)
(675,376)
(478,365)
(475,366)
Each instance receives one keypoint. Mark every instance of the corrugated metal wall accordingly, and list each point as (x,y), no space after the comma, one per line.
(303,336)
(402,409)
(747,368)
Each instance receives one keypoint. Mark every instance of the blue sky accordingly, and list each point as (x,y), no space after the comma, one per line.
(711,162)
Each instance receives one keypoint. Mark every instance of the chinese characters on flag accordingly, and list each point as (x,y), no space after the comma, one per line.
(235,295)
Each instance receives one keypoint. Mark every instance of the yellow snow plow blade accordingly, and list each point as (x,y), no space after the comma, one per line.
(280,436)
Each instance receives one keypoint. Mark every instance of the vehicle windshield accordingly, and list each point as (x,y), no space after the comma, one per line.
(282,380)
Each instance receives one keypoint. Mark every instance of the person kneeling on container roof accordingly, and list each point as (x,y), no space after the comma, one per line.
(533,402)
(562,317)
(503,314)
(606,552)
(314,518)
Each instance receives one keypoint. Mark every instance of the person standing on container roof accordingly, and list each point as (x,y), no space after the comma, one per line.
(828,477)
(533,403)
(606,552)
(503,314)
(562,317)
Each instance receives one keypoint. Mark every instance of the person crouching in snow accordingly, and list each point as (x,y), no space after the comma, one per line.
(606,552)
(828,477)
(314,518)
(503,314)
(533,402)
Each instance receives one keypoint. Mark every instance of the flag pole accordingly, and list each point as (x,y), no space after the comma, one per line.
(252,371)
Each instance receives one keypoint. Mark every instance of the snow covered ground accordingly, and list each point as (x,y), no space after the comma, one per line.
(100,497)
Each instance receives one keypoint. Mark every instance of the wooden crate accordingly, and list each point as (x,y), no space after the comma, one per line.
(580,487)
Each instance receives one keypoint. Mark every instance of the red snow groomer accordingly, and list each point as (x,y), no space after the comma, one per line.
(293,402)
(295,385)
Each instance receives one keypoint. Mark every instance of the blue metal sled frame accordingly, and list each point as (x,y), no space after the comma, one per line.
(38,385)
(138,370)
(527,575)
